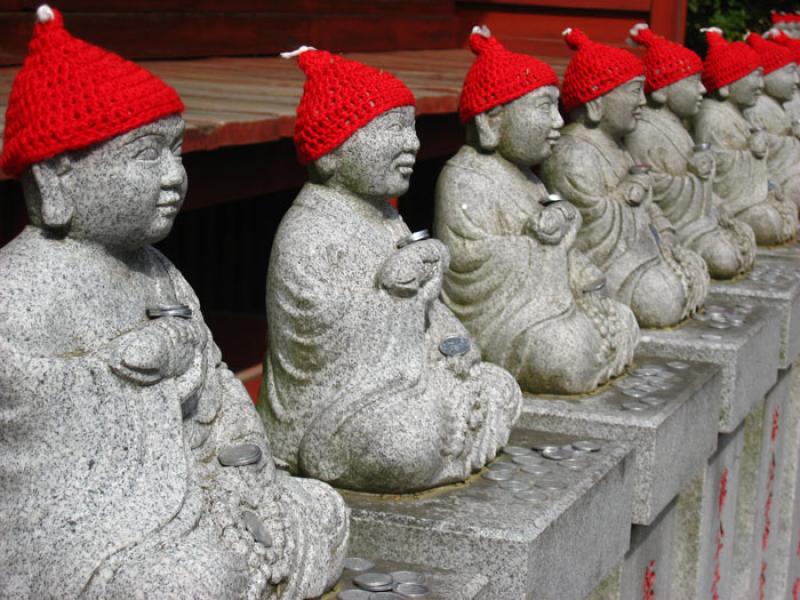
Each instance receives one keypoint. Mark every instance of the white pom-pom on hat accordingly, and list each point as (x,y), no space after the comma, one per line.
(45,14)
(772,33)
(714,29)
(297,52)
(482,30)
(637,28)
(566,32)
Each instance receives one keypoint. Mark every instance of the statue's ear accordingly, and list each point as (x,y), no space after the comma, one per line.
(325,166)
(56,207)
(724,91)
(594,110)
(659,96)
(487,125)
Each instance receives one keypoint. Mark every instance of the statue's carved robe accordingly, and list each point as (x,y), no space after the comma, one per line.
(662,284)
(517,295)
(107,487)
(783,159)
(662,141)
(357,392)
(741,179)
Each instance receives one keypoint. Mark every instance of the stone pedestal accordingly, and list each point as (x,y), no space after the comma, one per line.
(741,339)
(763,467)
(773,281)
(667,409)
(553,534)
(791,251)
(706,525)
(437,584)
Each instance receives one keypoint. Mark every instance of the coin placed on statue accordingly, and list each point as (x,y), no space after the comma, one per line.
(517,451)
(635,406)
(651,401)
(501,475)
(514,485)
(550,484)
(239,456)
(374,581)
(533,459)
(417,236)
(413,590)
(531,496)
(407,577)
(535,469)
(586,445)
(678,365)
(181,311)
(502,466)
(454,346)
(256,528)
(355,563)
(557,454)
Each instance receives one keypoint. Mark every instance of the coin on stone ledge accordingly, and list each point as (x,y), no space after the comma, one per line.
(239,456)
(454,346)
(502,475)
(407,577)
(550,484)
(532,496)
(374,581)
(535,469)
(256,528)
(353,595)
(517,451)
(533,459)
(413,590)
(386,596)
(514,485)
(502,466)
(355,563)
(634,406)
(557,453)
(586,445)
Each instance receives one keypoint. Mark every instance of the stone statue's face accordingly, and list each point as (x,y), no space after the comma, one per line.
(782,83)
(378,159)
(127,191)
(529,127)
(744,92)
(622,108)
(685,96)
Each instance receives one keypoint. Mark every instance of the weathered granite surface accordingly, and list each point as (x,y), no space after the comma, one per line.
(359,390)
(534,303)
(741,180)
(624,232)
(669,411)
(117,428)
(775,282)
(741,338)
(541,543)
(768,113)
(682,176)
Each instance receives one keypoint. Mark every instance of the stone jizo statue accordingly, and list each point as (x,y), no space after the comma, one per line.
(533,302)
(682,172)
(132,462)
(792,106)
(732,76)
(371,382)
(624,232)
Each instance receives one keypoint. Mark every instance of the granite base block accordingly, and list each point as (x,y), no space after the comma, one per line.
(790,251)
(441,584)
(673,439)
(740,340)
(557,539)
(706,525)
(760,480)
(773,281)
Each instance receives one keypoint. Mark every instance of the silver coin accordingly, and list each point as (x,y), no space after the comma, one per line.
(502,466)
(587,446)
(239,456)
(502,475)
(454,346)
(635,392)
(544,446)
(745,306)
(532,496)
(702,147)
(552,199)
(550,484)
(388,595)
(678,365)
(374,581)
(256,528)
(719,324)
(535,469)
(417,236)
(650,401)
(514,485)
(533,459)
(634,405)
(413,590)
(574,464)
(352,595)
(181,311)
(710,337)
(557,454)
(517,451)
(355,563)
(700,317)
(736,322)
(407,577)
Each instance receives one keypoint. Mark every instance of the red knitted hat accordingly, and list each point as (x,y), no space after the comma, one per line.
(70,94)
(340,96)
(499,76)
(773,56)
(595,69)
(665,62)
(779,37)
(726,62)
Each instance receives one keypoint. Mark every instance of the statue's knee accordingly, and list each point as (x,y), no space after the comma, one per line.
(722,258)
(659,298)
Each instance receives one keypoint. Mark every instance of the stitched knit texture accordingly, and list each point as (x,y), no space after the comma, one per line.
(779,37)
(726,62)
(665,62)
(595,69)
(773,56)
(340,96)
(70,94)
(499,76)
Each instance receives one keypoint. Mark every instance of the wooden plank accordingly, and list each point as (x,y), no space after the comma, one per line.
(606,5)
(668,18)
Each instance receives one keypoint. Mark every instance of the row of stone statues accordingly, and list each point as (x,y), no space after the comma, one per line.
(131,460)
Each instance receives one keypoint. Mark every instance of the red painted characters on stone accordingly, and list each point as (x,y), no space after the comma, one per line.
(649,583)
(720,541)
